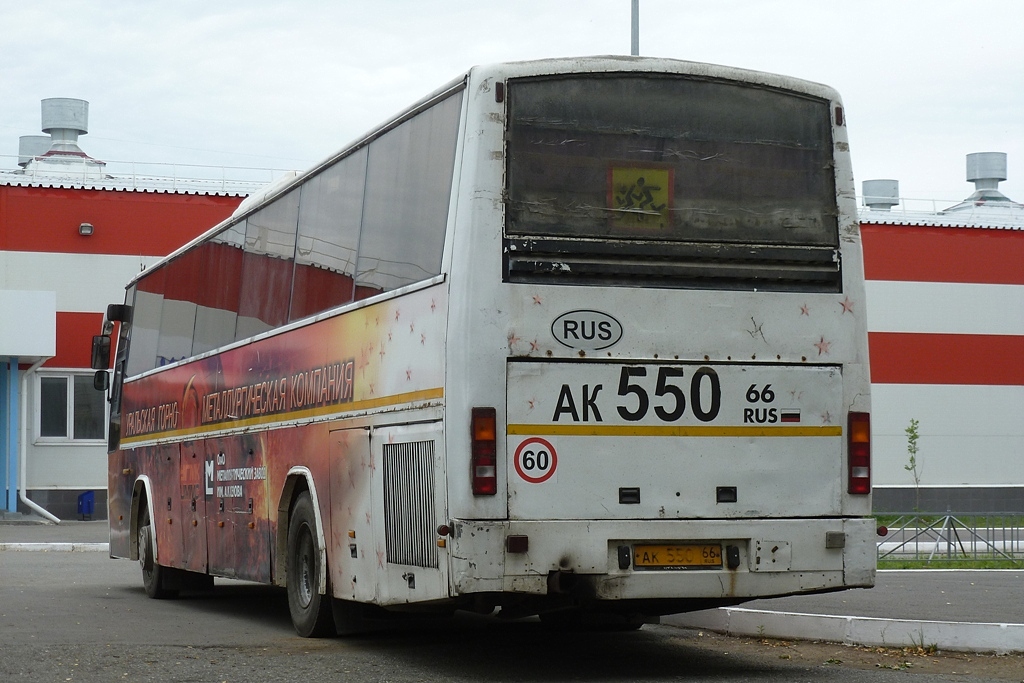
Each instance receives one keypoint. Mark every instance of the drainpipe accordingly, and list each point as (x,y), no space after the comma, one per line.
(25,431)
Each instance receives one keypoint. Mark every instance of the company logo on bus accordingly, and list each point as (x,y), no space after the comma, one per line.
(587,330)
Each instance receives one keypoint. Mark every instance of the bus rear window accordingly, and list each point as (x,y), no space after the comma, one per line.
(676,163)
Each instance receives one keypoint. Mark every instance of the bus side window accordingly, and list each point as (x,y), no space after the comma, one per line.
(330,210)
(178,316)
(267,263)
(408,190)
(149,303)
(217,306)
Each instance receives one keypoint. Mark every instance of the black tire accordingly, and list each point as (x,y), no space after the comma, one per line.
(311,611)
(159,581)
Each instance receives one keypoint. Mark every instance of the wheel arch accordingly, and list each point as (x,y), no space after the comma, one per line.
(141,491)
(298,479)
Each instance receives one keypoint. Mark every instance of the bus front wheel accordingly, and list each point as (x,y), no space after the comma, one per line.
(310,610)
(156,579)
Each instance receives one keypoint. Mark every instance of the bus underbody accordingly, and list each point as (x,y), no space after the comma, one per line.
(544,566)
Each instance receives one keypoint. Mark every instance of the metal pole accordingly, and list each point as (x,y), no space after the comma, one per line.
(12,434)
(23,465)
(9,445)
(635,46)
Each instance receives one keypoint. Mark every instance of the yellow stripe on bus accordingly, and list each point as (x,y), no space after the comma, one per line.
(291,416)
(666,430)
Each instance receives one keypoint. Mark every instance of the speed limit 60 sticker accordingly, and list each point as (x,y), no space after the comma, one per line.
(535,460)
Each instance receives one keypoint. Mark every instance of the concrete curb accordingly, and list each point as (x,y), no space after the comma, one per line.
(868,631)
(57,547)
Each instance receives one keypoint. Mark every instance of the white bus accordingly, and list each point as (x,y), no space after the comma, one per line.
(582,338)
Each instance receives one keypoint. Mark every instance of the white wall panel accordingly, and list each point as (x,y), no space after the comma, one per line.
(83,282)
(28,323)
(969,435)
(66,466)
(945,307)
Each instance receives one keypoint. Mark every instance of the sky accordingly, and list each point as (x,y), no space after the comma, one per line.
(282,85)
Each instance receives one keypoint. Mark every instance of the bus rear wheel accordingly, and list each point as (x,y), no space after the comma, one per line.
(310,610)
(157,580)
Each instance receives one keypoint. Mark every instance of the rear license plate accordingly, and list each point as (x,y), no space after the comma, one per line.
(677,556)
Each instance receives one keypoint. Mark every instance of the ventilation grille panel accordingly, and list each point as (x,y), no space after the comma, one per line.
(409,503)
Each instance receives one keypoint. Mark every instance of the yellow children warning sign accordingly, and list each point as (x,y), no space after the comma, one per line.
(640,197)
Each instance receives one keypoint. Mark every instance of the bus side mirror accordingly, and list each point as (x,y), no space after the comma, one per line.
(100,352)
(101,380)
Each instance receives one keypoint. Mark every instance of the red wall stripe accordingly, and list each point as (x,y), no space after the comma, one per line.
(933,254)
(74,339)
(896,357)
(125,222)
(912,358)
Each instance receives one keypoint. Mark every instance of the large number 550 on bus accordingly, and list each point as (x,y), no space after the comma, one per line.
(577,338)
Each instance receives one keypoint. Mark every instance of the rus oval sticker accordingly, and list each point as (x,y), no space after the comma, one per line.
(586,329)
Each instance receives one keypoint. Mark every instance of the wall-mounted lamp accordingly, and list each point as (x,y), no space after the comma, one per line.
(85,229)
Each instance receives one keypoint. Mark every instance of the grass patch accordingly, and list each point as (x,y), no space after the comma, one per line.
(943,563)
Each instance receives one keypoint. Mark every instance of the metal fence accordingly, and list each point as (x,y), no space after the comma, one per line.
(945,538)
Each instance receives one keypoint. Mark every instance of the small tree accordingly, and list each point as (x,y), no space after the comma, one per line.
(912,465)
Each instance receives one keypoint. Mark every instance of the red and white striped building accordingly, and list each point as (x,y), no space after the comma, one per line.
(945,313)
(71,236)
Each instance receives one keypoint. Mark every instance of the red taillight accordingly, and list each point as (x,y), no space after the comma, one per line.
(858,443)
(484,453)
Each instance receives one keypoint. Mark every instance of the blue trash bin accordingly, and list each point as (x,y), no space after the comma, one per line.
(86,504)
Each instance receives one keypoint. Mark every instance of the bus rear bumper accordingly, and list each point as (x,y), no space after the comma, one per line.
(598,560)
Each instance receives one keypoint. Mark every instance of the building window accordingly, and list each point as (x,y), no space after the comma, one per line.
(70,408)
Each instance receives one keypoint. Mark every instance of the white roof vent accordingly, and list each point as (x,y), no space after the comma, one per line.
(881,195)
(986,170)
(64,118)
(32,146)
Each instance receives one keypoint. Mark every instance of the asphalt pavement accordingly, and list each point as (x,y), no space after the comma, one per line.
(974,610)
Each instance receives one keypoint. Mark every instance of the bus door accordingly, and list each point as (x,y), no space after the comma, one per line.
(410,494)
(353,560)
(192,506)
(237,533)
(160,463)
